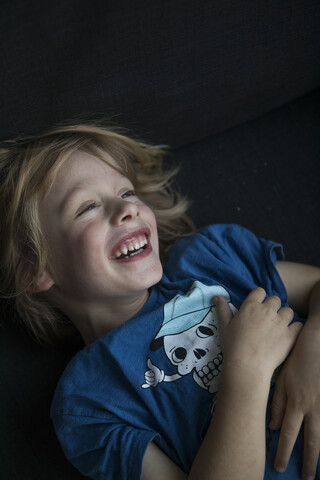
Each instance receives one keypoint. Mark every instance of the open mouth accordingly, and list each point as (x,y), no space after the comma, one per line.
(131,247)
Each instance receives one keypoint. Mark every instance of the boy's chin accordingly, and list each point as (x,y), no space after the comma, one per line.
(152,277)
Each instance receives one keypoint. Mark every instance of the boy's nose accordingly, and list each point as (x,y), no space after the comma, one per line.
(124,211)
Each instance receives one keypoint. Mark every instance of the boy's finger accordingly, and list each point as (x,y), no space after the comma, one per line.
(273,302)
(257,294)
(311,447)
(295,329)
(289,431)
(287,314)
(224,311)
(278,407)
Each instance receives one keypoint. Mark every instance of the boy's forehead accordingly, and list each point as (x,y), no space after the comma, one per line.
(80,171)
(81,160)
(80,168)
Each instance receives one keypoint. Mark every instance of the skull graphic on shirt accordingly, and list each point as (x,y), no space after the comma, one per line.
(190,338)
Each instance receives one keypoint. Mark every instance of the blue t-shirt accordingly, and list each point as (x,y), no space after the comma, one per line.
(155,377)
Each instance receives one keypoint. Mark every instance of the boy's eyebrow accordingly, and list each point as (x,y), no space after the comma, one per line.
(69,196)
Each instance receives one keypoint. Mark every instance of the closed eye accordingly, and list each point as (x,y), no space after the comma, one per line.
(93,205)
(87,208)
(129,193)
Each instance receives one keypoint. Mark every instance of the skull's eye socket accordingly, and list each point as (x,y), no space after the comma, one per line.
(179,354)
(204,332)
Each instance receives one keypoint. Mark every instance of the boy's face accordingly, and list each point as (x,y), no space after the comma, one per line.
(103,240)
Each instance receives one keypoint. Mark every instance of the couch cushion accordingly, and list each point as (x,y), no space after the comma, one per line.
(264,175)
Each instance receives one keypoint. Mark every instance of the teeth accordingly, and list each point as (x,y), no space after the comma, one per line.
(132,247)
(212,369)
(135,253)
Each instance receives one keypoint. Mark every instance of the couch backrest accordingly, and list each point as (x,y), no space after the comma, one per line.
(174,71)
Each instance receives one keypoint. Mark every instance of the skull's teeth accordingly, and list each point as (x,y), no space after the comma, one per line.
(211,370)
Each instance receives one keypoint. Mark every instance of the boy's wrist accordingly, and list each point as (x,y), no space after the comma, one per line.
(239,374)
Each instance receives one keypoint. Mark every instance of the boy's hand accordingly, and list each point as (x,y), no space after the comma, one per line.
(297,398)
(258,336)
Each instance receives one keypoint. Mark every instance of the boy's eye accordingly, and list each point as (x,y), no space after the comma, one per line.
(87,208)
(93,205)
(128,193)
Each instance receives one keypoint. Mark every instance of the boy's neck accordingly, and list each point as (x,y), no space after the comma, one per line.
(95,321)
(108,319)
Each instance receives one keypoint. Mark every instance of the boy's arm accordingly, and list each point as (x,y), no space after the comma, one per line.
(234,446)
(297,394)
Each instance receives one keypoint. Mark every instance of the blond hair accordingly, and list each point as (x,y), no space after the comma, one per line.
(28,168)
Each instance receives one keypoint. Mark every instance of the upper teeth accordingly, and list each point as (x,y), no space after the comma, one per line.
(131,246)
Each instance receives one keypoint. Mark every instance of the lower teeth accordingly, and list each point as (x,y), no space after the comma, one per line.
(134,253)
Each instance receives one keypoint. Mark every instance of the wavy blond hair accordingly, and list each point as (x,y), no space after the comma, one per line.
(28,168)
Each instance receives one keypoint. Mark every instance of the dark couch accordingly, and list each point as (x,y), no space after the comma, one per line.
(233,86)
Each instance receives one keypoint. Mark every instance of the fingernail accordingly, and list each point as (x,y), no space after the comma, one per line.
(280,468)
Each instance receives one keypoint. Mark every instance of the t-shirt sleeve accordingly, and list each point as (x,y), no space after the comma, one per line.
(101,449)
(230,255)
(253,257)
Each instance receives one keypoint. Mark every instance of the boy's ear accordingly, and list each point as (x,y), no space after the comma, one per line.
(44,283)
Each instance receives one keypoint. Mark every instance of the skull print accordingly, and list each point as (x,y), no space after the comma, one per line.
(190,338)
(197,350)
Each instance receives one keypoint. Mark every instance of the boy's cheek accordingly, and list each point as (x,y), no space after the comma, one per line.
(91,239)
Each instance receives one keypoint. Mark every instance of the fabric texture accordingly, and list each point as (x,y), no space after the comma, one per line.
(155,378)
(263,175)
(174,72)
